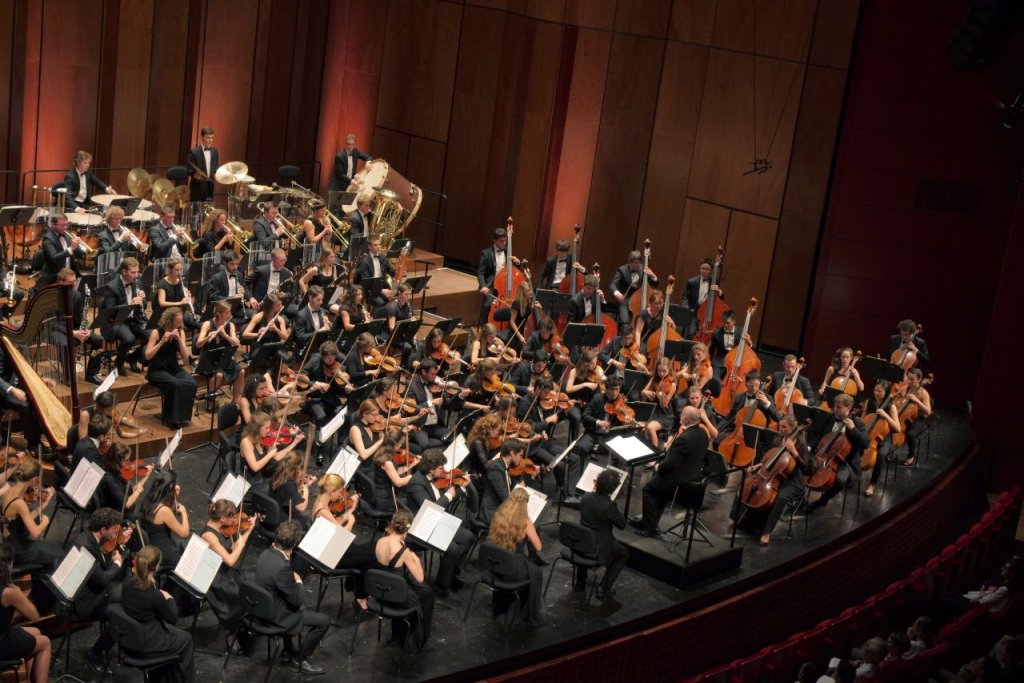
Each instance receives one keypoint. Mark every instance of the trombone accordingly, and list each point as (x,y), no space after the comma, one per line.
(239,235)
(289,229)
(339,227)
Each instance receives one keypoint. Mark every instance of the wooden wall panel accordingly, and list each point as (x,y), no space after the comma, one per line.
(748,255)
(426,164)
(803,208)
(693,21)
(272,78)
(834,29)
(28,153)
(125,112)
(643,17)
(308,67)
(727,137)
(392,146)
(8,65)
(627,116)
(418,69)
(598,14)
(765,27)
(171,94)
(668,167)
(579,141)
(705,227)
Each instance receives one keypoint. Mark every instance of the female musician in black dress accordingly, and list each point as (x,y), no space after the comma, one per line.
(113,490)
(331,488)
(20,642)
(290,488)
(353,309)
(511,529)
(219,333)
(362,438)
(393,554)
(224,591)
(324,274)
(171,291)
(387,476)
(163,519)
(261,461)
(315,228)
(166,346)
(23,505)
(651,318)
(267,326)
(156,612)
(215,235)
(256,389)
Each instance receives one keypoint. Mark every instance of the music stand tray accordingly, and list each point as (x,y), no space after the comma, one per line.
(212,361)
(373,285)
(679,349)
(553,301)
(129,204)
(404,333)
(821,420)
(266,355)
(643,412)
(633,379)
(680,316)
(760,439)
(418,284)
(880,368)
(236,306)
(318,338)
(832,392)
(448,326)
(113,316)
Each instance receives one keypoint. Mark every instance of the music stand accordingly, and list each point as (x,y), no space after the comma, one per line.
(679,349)
(418,285)
(129,204)
(760,439)
(633,379)
(404,334)
(632,463)
(347,338)
(580,334)
(373,286)
(236,306)
(448,326)
(212,361)
(553,301)
(879,368)
(643,410)
(358,246)
(313,346)
(821,420)
(398,245)
(681,316)
(832,392)
(114,316)
(267,355)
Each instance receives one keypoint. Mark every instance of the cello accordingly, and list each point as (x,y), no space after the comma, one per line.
(788,394)
(831,452)
(843,382)
(903,356)
(877,429)
(738,363)
(908,411)
(506,282)
(639,298)
(656,342)
(733,447)
(710,312)
(760,490)
(611,328)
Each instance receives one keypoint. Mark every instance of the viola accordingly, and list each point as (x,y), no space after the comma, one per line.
(494,385)
(761,489)
(733,447)
(559,353)
(287,435)
(450,388)
(526,467)
(400,458)
(132,470)
(10,459)
(343,503)
(118,540)
(632,357)
(456,477)
(242,524)
(597,377)
(552,400)
(301,380)
(620,410)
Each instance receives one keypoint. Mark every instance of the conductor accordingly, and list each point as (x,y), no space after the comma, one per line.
(683,467)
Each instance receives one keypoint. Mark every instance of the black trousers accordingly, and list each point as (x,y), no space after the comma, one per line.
(454,557)
(126,335)
(29,423)
(179,390)
(656,498)
(317,623)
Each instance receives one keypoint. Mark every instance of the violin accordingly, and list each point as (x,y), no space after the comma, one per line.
(242,524)
(118,540)
(344,503)
(456,477)
(403,457)
(450,388)
(554,348)
(131,470)
(554,400)
(301,380)
(620,410)
(597,377)
(287,435)
(494,385)
(632,357)
(376,359)
(502,352)
(526,467)
(10,459)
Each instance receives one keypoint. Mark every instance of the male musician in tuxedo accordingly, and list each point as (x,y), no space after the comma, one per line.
(310,319)
(492,259)
(275,575)
(346,163)
(524,375)
(497,482)
(784,377)
(81,334)
(628,279)
(59,251)
(596,422)
(269,277)
(123,290)
(203,160)
(165,238)
(433,423)
(581,306)
(227,284)
(361,218)
(558,267)
(723,340)
(422,488)
(908,340)
(115,236)
(600,513)
(10,291)
(374,264)
(753,397)
(103,585)
(81,184)
(853,429)
(14,398)
(683,467)
(88,449)
(697,290)
(266,229)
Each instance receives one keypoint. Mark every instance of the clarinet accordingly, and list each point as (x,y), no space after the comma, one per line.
(85,309)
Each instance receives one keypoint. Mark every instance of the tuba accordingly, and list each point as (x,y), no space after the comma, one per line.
(387,217)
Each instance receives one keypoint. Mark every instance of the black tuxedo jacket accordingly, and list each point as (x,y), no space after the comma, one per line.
(896,341)
(54,255)
(691,293)
(486,268)
(549,271)
(802,383)
(93,185)
(202,190)
(364,270)
(113,295)
(102,580)
(218,287)
(261,281)
(600,513)
(303,329)
(497,486)
(740,401)
(359,226)
(622,282)
(161,242)
(684,462)
(85,449)
(275,575)
(419,490)
(263,233)
(577,308)
(109,242)
(341,178)
(716,348)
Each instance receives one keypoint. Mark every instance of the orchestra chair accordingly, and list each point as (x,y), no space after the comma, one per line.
(65,502)
(287,172)
(579,548)
(177,173)
(227,418)
(494,561)
(379,516)
(14,666)
(131,641)
(263,504)
(477,526)
(259,619)
(387,595)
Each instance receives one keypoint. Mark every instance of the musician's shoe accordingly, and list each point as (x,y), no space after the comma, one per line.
(636,521)
(304,666)
(571,501)
(539,561)
(93,379)
(122,371)
(134,365)
(605,593)
(97,662)
(648,532)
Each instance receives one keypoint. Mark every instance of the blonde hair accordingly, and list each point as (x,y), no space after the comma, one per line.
(509,524)
(167,318)
(330,482)
(112,212)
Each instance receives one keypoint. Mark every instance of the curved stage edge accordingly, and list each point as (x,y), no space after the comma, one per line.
(747,615)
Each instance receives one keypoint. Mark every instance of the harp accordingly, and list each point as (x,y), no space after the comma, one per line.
(50,307)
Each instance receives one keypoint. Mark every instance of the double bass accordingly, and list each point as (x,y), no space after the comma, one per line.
(760,489)
(733,447)
(656,342)
(738,363)
(611,328)
(639,298)
(573,280)
(709,313)
(506,282)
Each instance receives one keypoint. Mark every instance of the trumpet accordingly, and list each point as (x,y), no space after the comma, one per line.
(182,232)
(89,251)
(143,247)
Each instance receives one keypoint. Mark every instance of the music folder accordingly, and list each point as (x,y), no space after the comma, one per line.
(232,487)
(345,464)
(328,430)
(434,526)
(198,565)
(83,482)
(631,450)
(455,453)
(586,482)
(326,543)
(72,572)
(535,506)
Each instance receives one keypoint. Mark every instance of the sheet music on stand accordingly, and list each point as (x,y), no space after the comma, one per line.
(198,565)
(326,543)
(108,382)
(83,482)
(535,506)
(434,526)
(345,464)
(628,448)
(455,453)
(72,572)
(169,450)
(335,296)
(567,451)
(232,487)
(586,482)
(327,431)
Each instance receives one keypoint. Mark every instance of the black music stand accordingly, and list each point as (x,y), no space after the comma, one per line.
(117,315)
(880,368)
(632,464)
(313,346)
(553,302)
(212,361)
(580,334)
(832,392)
(358,246)
(681,316)
(347,338)
(403,337)
(419,286)
(398,245)
(19,216)
(372,286)
(129,204)
(633,379)
(821,420)
(558,371)
(760,439)
(679,349)
(236,307)
(267,356)
(448,326)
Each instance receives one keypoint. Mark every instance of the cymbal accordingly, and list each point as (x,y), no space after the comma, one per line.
(231,172)
(147,185)
(179,195)
(136,176)
(162,187)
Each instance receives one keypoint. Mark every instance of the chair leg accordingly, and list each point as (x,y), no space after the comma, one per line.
(355,632)
(273,656)
(469,603)
(320,592)
(551,574)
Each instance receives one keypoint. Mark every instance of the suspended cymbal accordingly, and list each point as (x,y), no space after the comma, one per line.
(136,176)
(147,185)
(162,188)
(231,172)
(179,195)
